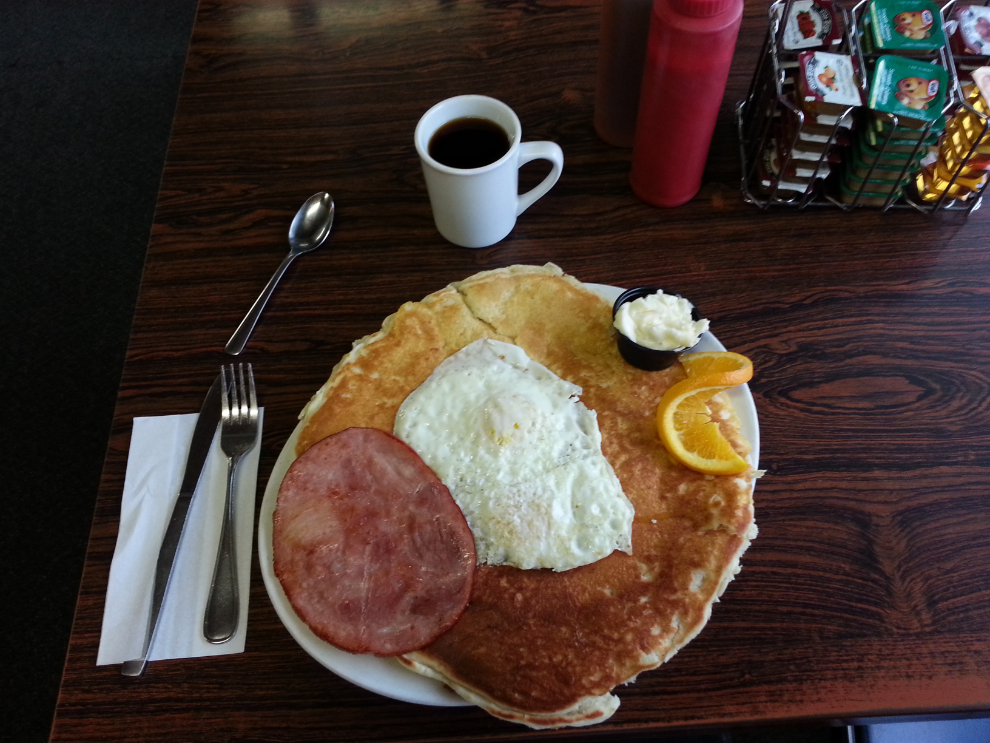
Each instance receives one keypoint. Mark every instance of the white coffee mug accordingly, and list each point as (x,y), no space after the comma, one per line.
(477,207)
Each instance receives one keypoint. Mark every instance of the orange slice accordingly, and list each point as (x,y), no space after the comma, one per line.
(684,419)
(736,368)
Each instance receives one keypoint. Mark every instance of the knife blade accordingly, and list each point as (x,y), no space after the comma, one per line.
(199,449)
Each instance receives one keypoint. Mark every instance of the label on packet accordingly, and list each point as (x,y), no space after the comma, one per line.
(811,24)
(908,88)
(906,25)
(828,82)
(972,36)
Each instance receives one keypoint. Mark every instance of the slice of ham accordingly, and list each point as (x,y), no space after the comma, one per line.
(371,549)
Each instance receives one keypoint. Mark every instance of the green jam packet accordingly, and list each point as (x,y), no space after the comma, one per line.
(866,34)
(908,88)
(879,123)
(867,198)
(895,143)
(911,26)
(888,160)
(883,170)
(853,182)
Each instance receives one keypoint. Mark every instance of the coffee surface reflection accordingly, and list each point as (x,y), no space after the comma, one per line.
(468,142)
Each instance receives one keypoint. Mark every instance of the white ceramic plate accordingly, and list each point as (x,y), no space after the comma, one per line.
(386,676)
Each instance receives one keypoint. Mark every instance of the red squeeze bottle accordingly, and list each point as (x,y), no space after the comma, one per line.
(687,66)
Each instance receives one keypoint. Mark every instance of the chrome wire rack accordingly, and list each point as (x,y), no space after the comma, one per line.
(770,108)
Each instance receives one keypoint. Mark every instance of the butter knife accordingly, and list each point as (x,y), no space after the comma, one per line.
(202,442)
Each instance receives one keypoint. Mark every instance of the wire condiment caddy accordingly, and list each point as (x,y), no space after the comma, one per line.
(773,128)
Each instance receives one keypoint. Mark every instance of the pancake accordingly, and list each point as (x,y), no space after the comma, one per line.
(539,647)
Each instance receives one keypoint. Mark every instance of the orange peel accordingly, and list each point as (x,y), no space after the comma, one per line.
(733,368)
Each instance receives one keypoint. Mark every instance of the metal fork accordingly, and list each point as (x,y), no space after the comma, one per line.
(238,433)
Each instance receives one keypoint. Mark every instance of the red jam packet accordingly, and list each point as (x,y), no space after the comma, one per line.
(797,176)
(811,24)
(972,34)
(827,83)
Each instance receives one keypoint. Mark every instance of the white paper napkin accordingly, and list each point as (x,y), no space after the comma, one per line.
(155,465)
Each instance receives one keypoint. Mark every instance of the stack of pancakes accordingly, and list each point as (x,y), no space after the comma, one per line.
(540,647)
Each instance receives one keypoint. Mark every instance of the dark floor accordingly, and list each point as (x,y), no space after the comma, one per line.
(87,94)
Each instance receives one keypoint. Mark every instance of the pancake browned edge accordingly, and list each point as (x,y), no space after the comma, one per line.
(535,646)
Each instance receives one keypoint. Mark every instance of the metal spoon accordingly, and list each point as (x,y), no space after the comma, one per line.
(308,231)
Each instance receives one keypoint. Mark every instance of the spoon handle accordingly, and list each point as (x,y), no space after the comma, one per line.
(240,337)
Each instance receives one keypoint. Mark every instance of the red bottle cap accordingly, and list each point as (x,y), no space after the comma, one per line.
(701,8)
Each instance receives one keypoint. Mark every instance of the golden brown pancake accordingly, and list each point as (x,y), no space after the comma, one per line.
(540,647)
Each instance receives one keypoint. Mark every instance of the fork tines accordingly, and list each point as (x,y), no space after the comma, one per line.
(239,402)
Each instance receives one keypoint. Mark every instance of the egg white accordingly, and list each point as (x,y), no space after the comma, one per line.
(521,456)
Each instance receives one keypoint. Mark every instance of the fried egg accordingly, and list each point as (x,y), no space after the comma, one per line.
(521,456)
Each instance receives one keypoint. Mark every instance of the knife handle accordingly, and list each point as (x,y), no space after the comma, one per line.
(223,604)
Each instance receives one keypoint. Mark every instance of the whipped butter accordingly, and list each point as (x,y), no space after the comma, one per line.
(660,321)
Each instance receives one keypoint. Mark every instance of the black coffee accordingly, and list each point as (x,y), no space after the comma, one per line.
(469,142)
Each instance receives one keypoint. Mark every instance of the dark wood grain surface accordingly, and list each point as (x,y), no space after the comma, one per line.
(865,594)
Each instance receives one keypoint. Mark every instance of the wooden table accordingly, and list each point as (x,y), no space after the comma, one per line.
(865,594)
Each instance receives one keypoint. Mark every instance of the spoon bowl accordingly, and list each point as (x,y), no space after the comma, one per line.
(312,223)
(308,231)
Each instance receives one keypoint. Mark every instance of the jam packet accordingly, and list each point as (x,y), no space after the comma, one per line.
(961,166)
(957,153)
(933,183)
(797,177)
(980,97)
(827,83)
(972,34)
(896,158)
(910,89)
(899,139)
(866,162)
(965,146)
(849,195)
(811,24)
(812,132)
(883,129)
(906,26)
(874,186)
(866,34)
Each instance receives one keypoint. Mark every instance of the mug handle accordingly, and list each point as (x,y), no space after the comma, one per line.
(529,151)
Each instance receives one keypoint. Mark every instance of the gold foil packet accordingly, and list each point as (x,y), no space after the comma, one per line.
(931,186)
(965,178)
(962,138)
(974,128)
(972,95)
(953,159)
